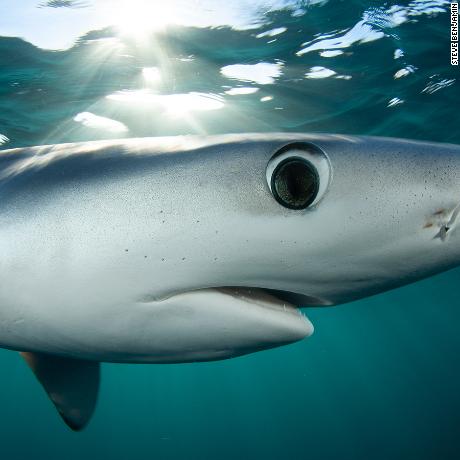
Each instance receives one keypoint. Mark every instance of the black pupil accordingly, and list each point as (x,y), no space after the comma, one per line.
(295,183)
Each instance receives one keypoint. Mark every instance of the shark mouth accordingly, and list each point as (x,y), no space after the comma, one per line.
(255,294)
(299,300)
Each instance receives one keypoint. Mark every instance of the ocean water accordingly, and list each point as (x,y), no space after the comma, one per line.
(380,377)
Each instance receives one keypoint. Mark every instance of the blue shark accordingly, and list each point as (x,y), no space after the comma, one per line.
(200,248)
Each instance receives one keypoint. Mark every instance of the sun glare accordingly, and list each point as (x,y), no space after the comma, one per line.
(138,18)
(151,75)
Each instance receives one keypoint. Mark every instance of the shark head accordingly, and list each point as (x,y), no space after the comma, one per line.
(199,248)
(313,220)
(203,248)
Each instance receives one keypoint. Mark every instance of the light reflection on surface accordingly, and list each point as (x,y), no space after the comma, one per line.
(90,120)
(210,67)
(331,53)
(173,104)
(319,72)
(241,91)
(263,73)
(394,101)
(272,32)
(437,83)
(360,33)
(405,71)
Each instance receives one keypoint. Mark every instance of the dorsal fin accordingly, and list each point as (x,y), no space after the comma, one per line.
(71,384)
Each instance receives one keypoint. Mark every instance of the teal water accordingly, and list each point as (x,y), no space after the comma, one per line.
(379,379)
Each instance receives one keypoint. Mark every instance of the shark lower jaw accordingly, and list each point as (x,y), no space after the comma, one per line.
(212,324)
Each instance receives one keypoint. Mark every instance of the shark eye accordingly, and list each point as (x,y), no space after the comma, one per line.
(295,183)
(298,175)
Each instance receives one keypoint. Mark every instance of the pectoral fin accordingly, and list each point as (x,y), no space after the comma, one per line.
(71,384)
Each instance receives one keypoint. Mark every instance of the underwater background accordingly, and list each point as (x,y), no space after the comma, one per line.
(380,377)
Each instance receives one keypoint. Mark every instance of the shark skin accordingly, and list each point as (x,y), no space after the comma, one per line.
(198,248)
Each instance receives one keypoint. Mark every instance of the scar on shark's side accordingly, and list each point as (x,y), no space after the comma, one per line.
(445,220)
